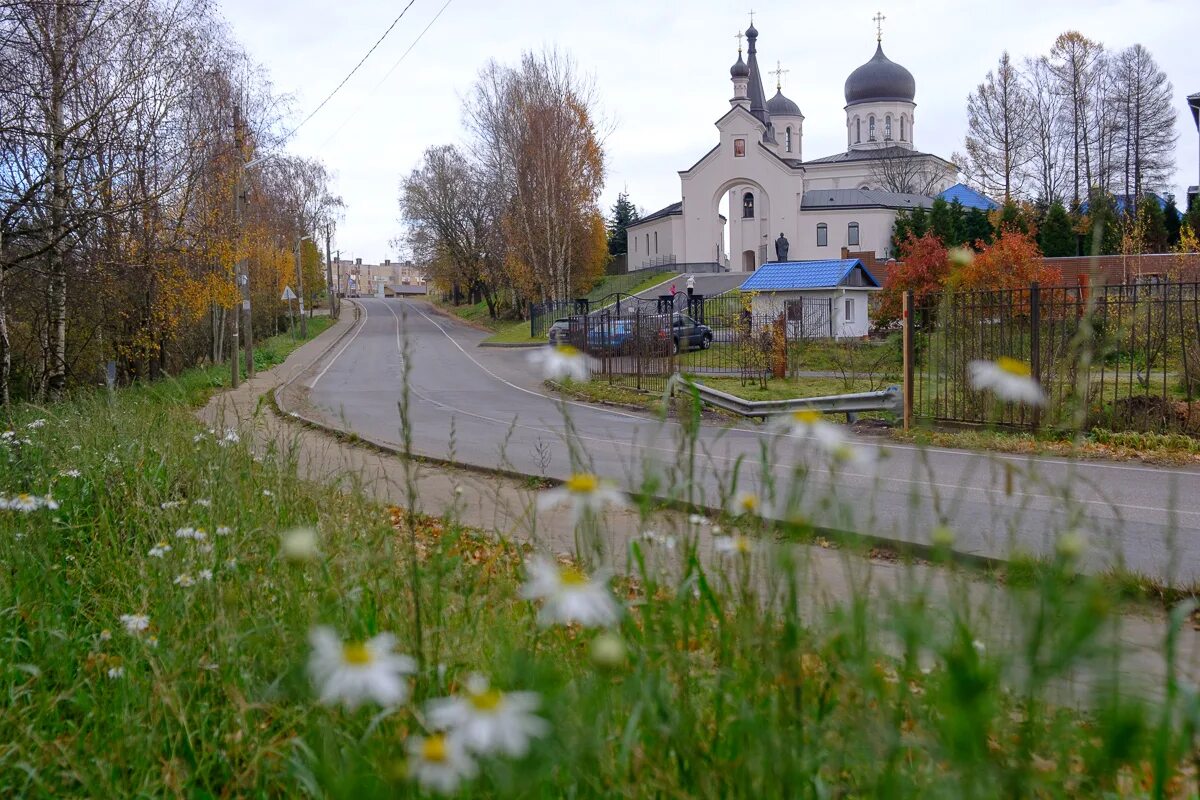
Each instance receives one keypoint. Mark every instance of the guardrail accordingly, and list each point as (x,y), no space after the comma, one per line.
(889,399)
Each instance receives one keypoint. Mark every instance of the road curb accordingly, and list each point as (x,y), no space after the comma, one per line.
(512,345)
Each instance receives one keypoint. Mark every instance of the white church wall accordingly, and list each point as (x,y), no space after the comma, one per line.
(874,232)
(652,243)
(860,115)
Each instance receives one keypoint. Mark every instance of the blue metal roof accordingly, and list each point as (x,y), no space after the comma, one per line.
(968,197)
(784,275)
(1124,201)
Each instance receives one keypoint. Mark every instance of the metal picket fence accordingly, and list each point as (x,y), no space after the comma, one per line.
(1124,358)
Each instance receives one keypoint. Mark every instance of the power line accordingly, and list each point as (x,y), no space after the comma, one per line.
(337,88)
(386,75)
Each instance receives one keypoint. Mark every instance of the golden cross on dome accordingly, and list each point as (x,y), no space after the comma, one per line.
(879,18)
(779,72)
(738,36)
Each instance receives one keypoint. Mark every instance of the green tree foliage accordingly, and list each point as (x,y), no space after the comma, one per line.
(943,224)
(1057,236)
(1153,225)
(622,215)
(1192,219)
(1013,218)
(1172,219)
(1104,225)
(977,229)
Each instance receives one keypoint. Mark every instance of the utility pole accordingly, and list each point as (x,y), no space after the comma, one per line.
(234,314)
(300,290)
(243,266)
(333,298)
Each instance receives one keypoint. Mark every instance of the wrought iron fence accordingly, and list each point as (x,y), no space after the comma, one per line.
(1116,357)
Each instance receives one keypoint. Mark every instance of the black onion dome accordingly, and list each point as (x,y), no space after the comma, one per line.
(880,79)
(752,32)
(780,106)
(740,69)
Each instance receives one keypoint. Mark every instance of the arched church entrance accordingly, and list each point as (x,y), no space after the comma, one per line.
(748,207)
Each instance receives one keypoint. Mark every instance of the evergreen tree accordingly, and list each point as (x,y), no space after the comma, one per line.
(977,230)
(1153,224)
(1193,217)
(623,214)
(1172,221)
(918,222)
(1012,218)
(1104,228)
(959,215)
(1057,238)
(901,230)
(941,222)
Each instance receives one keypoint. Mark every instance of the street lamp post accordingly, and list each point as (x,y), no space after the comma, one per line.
(300,285)
(243,268)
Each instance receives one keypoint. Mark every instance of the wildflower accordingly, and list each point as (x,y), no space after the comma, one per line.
(204,574)
(942,537)
(608,651)
(105,635)
(152,641)
(135,623)
(746,502)
(26,503)
(209,666)
(696,519)
(1071,545)
(168,505)
(185,580)
(300,544)
(202,502)
(810,425)
(268,493)
(116,672)
(666,540)
(70,473)
(230,437)
(199,437)
(487,720)
(159,550)
(569,595)
(733,545)
(223,530)
(586,493)
(1007,378)
(352,673)
(979,646)
(439,762)
(960,256)
(37,423)
(231,564)
(561,361)
(204,547)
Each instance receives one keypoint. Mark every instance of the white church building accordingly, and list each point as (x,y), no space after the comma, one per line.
(819,205)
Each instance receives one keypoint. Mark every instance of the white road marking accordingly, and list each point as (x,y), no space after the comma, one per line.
(321,374)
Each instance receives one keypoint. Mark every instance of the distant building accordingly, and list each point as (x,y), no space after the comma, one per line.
(354,277)
(821,299)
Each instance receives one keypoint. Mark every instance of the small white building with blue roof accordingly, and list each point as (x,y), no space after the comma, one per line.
(828,298)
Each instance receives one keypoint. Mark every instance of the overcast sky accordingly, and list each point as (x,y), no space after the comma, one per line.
(661,68)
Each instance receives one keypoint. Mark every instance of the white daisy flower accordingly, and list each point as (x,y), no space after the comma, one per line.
(654,537)
(489,721)
(979,646)
(586,493)
(204,574)
(568,595)
(230,437)
(152,641)
(159,550)
(353,673)
(204,547)
(696,519)
(76,447)
(733,545)
(223,530)
(199,437)
(202,502)
(185,580)
(70,473)
(268,493)
(561,361)
(747,502)
(808,424)
(26,503)
(168,505)
(299,544)
(439,762)
(135,623)
(37,423)
(116,672)
(1008,379)
(105,635)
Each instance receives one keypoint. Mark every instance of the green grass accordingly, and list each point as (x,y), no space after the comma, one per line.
(601,391)
(707,687)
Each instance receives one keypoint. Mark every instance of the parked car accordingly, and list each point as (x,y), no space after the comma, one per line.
(612,334)
(687,334)
(560,332)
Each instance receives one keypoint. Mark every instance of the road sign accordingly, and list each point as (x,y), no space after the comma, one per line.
(288,294)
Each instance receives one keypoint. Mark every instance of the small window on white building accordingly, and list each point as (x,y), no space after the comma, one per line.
(852,234)
(887,128)
(656,241)
(849,309)
(871,128)
(822,235)
(789,139)
(857,130)
(902,129)
(635,244)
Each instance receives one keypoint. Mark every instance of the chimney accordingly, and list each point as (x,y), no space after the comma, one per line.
(387,262)
(358,262)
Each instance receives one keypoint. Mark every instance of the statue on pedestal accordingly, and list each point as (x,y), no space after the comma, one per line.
(781,248)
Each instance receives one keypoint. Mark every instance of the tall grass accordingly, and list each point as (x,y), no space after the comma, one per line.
(729,674)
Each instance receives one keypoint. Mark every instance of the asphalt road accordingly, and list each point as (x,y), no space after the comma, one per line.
(487,407)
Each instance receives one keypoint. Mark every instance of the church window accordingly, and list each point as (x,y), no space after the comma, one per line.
(887,128)
(822,235)
(871,128)
(852,234)
(656,241)
(635,244)
(739,148)
(902,129)
(789,139)
(857,130)
(748,205)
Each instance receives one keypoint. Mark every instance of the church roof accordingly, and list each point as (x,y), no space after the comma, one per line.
(782,106)
(880,79)
(861,198)
(674,208)
(785,275)
(968,197)
(872,154)
(758,98)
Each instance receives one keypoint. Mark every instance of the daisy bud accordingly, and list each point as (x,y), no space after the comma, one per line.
(942,537)
(1070,545)
(300,544)
(961,256)
(608,651)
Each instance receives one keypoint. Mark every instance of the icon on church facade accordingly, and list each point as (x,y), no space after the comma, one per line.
(739,148)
